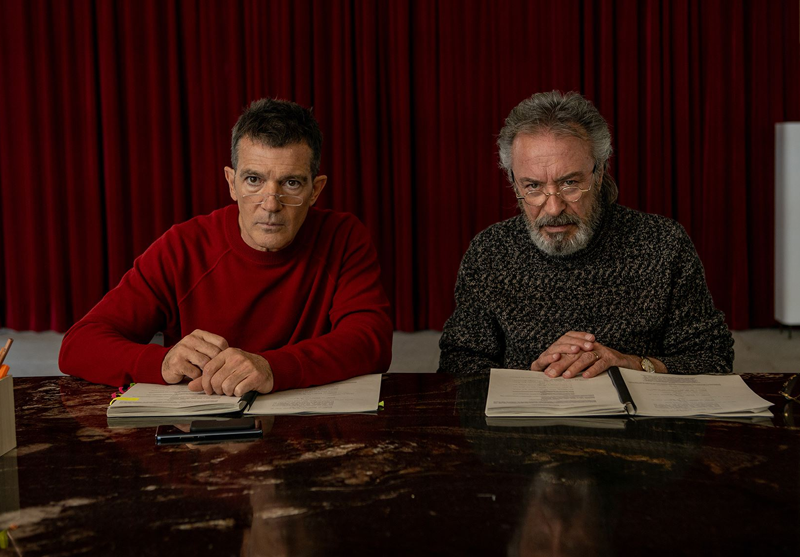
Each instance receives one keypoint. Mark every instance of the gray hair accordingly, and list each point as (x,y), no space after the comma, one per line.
(560,114)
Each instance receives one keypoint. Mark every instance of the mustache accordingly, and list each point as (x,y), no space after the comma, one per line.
(561,220)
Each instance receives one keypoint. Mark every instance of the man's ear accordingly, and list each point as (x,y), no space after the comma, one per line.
(230,177)
(316,188)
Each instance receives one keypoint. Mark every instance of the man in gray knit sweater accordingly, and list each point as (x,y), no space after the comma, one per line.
(577,283)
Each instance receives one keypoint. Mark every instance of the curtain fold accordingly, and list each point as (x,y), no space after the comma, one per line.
(115,123)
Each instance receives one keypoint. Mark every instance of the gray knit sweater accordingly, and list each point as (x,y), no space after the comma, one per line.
(639,287)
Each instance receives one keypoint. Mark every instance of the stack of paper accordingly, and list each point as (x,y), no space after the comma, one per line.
(515,392)
(145,399)
(621,392)
(359,394)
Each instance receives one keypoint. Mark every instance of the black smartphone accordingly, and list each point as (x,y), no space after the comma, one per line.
(233,424)
(209,431)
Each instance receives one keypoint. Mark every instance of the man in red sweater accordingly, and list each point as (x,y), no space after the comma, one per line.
(267,294)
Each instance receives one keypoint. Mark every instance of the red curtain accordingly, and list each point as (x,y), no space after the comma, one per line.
(115,121)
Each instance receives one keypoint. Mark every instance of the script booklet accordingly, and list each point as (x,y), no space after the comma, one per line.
(353,396)
(358,394)
(622,392)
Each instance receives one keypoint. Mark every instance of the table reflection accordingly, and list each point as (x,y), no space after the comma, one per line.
(277,528)
(426,476)
(564,515)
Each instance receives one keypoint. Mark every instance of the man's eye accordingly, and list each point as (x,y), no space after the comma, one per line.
(570,183)
(293,184)
(251,180)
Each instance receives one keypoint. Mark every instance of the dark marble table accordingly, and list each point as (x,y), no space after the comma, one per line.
(425,476)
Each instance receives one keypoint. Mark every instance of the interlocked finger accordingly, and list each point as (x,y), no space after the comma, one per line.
(582,363)
(564,362)
(598,364)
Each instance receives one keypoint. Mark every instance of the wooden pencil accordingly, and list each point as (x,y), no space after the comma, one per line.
(4,350)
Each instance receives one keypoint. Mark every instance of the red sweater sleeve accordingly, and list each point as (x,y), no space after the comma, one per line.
(360,339)
(111,343)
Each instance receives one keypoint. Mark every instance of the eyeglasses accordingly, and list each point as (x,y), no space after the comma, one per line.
(788,387)
(283,199)
(538,197)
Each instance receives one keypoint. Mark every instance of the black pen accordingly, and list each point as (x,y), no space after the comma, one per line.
(249,398)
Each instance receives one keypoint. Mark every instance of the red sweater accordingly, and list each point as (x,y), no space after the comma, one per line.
(315,310)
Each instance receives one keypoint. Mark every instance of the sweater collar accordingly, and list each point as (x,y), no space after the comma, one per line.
(238,245)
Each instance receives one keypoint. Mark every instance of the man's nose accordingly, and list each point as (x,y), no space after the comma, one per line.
(554,205)
(271,201)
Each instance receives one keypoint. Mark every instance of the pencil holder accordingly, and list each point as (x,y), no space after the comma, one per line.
(8,428)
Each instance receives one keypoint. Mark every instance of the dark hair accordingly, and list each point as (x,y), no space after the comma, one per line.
(278,123)
(560,114)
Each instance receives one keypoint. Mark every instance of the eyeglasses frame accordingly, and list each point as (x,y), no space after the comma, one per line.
(277,196)
(524,198)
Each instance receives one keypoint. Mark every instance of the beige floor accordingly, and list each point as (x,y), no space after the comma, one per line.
(757,351)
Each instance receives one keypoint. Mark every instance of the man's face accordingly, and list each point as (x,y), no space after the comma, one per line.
(549,162)
(271,226)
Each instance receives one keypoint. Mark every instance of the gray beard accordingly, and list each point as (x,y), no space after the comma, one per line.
(559,244)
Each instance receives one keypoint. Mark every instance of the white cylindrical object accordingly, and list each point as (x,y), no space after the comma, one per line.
(787,223)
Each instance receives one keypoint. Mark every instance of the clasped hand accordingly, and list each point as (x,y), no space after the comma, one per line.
(215,367)
(577,352)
